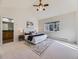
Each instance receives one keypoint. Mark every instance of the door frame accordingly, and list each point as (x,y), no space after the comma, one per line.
(1,41)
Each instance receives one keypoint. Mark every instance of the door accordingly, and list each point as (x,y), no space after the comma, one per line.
(7,30)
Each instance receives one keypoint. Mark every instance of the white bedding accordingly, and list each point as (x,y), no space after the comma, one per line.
(21,51)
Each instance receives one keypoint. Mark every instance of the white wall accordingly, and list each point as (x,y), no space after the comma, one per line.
(20,16)
(68,27)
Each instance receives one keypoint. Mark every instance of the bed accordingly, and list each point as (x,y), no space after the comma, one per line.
(36,38)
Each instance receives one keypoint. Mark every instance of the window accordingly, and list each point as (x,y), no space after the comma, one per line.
(51,26)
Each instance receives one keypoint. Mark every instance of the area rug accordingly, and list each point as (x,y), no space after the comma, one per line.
(40,47)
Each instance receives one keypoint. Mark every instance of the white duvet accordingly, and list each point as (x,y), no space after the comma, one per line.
(20,51)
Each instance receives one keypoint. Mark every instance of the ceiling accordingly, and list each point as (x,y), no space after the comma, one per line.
(56,7)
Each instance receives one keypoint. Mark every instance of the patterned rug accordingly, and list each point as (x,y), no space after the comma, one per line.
(40,47)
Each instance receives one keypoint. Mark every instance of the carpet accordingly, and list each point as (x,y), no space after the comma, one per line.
(40,47)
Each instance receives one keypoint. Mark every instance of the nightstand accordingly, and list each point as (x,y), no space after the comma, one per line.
(21,37)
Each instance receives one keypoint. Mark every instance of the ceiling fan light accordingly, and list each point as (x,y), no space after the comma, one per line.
(37,9)
(43,9)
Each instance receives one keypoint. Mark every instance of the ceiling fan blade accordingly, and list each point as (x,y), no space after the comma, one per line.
(40,1)
(46,4)
(36,5)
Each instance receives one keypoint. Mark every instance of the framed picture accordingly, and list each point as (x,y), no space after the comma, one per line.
(29,24)
(30,27)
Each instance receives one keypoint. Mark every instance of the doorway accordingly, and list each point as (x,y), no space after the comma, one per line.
(7,30)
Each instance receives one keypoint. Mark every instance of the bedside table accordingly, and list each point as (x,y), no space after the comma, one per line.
(21,37)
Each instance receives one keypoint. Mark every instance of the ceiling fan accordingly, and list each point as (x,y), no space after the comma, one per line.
(41,5)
